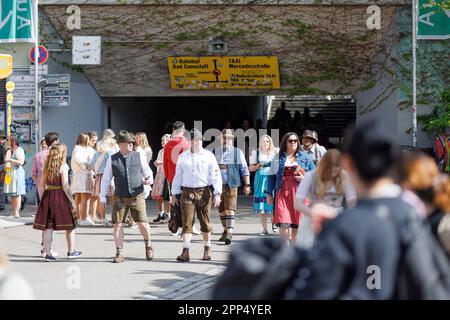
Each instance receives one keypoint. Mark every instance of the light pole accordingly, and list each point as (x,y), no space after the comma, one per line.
(37,97)
(414,45)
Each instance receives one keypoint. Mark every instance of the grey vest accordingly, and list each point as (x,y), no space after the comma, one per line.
(127,172)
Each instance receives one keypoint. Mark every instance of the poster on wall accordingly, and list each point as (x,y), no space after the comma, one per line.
(22,114)
(24,133)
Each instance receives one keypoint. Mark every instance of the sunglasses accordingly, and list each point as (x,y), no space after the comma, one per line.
(293,141)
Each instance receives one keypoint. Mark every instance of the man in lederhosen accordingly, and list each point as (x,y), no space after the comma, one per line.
(198,180)
(232,166)
(130,171)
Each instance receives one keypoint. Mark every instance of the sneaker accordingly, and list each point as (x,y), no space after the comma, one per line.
(178,233)
(165,218)
(134,226)
(159,218)
(274,228)
(49,258)
(195,230)
(74,254)
(97,221)
(264,233)
(53,253)
(106,223)
(87,222)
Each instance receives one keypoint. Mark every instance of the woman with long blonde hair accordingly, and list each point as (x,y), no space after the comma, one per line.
(322,191)
(98,164)
(82,179)
(143,146)
(57,209)
(260,162)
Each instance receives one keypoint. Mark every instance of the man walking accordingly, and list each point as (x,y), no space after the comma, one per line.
(172,150)
(311,146)
(232,166)
(130,171)
(197,178)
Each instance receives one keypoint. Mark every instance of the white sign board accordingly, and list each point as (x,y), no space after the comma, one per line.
(86,50)
(24,92)
(43,69)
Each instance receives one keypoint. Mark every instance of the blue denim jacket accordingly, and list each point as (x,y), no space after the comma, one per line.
(236,167)
(275,180)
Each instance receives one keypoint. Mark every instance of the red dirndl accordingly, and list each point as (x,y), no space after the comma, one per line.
(285,212)
(54,210)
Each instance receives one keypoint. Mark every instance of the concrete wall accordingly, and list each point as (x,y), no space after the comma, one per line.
(86,111)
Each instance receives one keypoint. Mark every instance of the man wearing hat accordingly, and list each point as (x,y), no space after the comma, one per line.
(232,166)
(198,180)
(130,171)
(310,145)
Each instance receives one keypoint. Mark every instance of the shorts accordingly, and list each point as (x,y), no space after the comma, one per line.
(228,199)
(136,206)
(196,201)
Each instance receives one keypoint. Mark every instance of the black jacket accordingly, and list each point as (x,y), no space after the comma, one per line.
(349,250)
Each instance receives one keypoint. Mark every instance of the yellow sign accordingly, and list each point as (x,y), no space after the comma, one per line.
(9,98)
(6,65)
(10,86)
(188,73)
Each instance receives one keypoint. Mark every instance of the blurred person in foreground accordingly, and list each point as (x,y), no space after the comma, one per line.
(382,233)
(12,285)
(427,190)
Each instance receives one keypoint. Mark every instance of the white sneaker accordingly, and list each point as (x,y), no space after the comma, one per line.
(53,253)
(178,233)
(134,226)
(195,231)
(87,222)
(97,220)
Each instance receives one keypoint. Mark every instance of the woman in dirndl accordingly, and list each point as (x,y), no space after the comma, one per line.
(260,162)
(160,191)
(57,209)
(14,185)
(287,170)
(98,163)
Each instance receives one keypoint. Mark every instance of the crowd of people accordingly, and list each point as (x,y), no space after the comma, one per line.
(347,193)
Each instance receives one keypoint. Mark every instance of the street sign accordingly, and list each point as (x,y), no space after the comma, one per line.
(6,65)
(42,69)
(10,86)
(86,50)
(16,21)
(57,92)
(9,98)
(43,55)
(56,101)
(253,72)
(23,102)
(24,92)
(433,21)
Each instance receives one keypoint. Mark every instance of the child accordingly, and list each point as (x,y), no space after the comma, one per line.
(57,210)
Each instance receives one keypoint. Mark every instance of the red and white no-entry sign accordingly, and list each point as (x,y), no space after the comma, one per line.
(43,55)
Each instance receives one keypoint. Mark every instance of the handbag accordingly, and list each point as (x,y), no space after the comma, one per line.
(175,220)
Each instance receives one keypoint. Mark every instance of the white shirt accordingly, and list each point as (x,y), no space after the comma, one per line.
(147,174)
(197,170)
(80,159)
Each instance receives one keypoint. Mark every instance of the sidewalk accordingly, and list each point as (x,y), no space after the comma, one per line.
(26,217)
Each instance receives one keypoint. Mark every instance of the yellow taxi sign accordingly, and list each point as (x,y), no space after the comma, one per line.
(6,65)
(9,98)
(10,86)
(233,72)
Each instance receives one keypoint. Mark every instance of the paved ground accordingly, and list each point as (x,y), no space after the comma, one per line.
(94,276)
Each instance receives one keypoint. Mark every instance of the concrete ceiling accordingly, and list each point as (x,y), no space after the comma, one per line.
(333,54)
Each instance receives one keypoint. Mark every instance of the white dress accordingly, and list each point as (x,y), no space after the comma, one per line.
(82,179)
